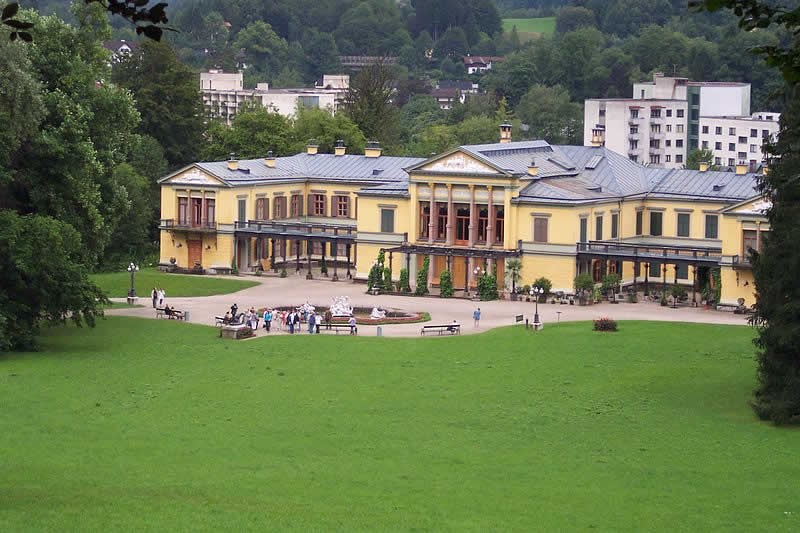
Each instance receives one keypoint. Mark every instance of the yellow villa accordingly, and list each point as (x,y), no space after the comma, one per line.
(561,210)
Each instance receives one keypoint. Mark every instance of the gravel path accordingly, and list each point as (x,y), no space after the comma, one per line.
(296,290)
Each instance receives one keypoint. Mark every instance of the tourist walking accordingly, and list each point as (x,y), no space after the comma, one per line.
(267,319)
(317,321)
(161,295)
(154,295)
(297,321)
(352,324)
(290,321)
(282,320)
(312,319)
(476,316)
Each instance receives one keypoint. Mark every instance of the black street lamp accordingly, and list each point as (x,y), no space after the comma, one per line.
(535,292)
(133,269)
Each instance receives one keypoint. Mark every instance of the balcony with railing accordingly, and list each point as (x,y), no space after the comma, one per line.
(205,226)
(650,252)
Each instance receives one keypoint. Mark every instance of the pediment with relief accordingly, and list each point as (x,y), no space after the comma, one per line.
(757,207)
(195,176)
(458,163)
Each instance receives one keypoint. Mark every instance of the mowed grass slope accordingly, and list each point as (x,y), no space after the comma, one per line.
(530,28)
(116,284)
(158,425)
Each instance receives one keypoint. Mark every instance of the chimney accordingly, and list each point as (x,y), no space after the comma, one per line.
(703,167)
(598,136)
(533,170)
(233,163)
(505,132)
(741,168)
(339,148)
(270,160)
(373,149)
(311,148)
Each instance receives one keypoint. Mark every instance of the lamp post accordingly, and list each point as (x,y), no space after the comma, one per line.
(535,292)
(133,269)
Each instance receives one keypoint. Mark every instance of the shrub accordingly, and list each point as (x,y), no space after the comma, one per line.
(403,285)
(610,283)
(234,266)
(259,272)
(526,289)
(584,282)
(543,283)
(487,287)
(283,272)
(678,292)
(387,279)
(323,266)
(633,297)
(605,324)
(422,278)
(445,284)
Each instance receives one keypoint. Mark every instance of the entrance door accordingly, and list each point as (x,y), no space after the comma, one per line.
(459,271)
(501,272)
(195,249)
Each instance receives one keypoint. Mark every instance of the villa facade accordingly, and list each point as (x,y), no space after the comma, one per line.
(561,210)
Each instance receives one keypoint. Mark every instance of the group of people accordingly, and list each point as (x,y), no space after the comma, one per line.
(158,294)
(283,320)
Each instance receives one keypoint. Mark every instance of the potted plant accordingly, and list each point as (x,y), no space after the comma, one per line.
(678,293)
(513,267)
(609,286)
(583,286)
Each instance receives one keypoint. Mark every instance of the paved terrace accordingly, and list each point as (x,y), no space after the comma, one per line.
(295,290)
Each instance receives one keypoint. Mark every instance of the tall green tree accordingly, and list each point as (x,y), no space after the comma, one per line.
(42,288)
(326,129)
(254,131)
(167,95)
(368,103)
(777,316)
(66,169)
(264,50)
(699,155)
(551,115)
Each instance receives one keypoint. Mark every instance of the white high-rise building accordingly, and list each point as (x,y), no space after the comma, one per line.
(223,94)
(660,124)
(738,140)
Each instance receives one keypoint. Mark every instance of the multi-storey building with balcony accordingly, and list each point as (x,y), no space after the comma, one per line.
(223,94)
(561,210)
(608,120)
(739,140)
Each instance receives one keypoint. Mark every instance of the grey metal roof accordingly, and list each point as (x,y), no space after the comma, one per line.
(567,174)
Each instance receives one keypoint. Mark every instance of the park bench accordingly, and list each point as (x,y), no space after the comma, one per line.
(452,329)
(176,315)
(238,321)
(336,327)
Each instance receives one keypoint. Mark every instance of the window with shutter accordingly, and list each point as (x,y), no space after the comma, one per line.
(711,226)
(387,220)
(639,217)
(334,206)
(683,224)
(260,208)
(655,224)
(614,226)
(598,228)
(540,229)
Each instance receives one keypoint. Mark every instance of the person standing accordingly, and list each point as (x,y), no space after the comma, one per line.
(161,295)
(476,316)
(297,321)
(290,321)
(312,319)
(328,318)
(267,319)
(154,295)
(317,321)
(352,324)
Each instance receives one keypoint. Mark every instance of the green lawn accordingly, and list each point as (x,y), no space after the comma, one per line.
(116,284)
(158,425)
(531,28)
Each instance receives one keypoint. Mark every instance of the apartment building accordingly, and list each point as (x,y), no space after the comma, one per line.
(651,132)
(607,120)
(223,94)
(738,140)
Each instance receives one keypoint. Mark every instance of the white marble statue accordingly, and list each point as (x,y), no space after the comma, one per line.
(307,307)
(377,313)
(340,306)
